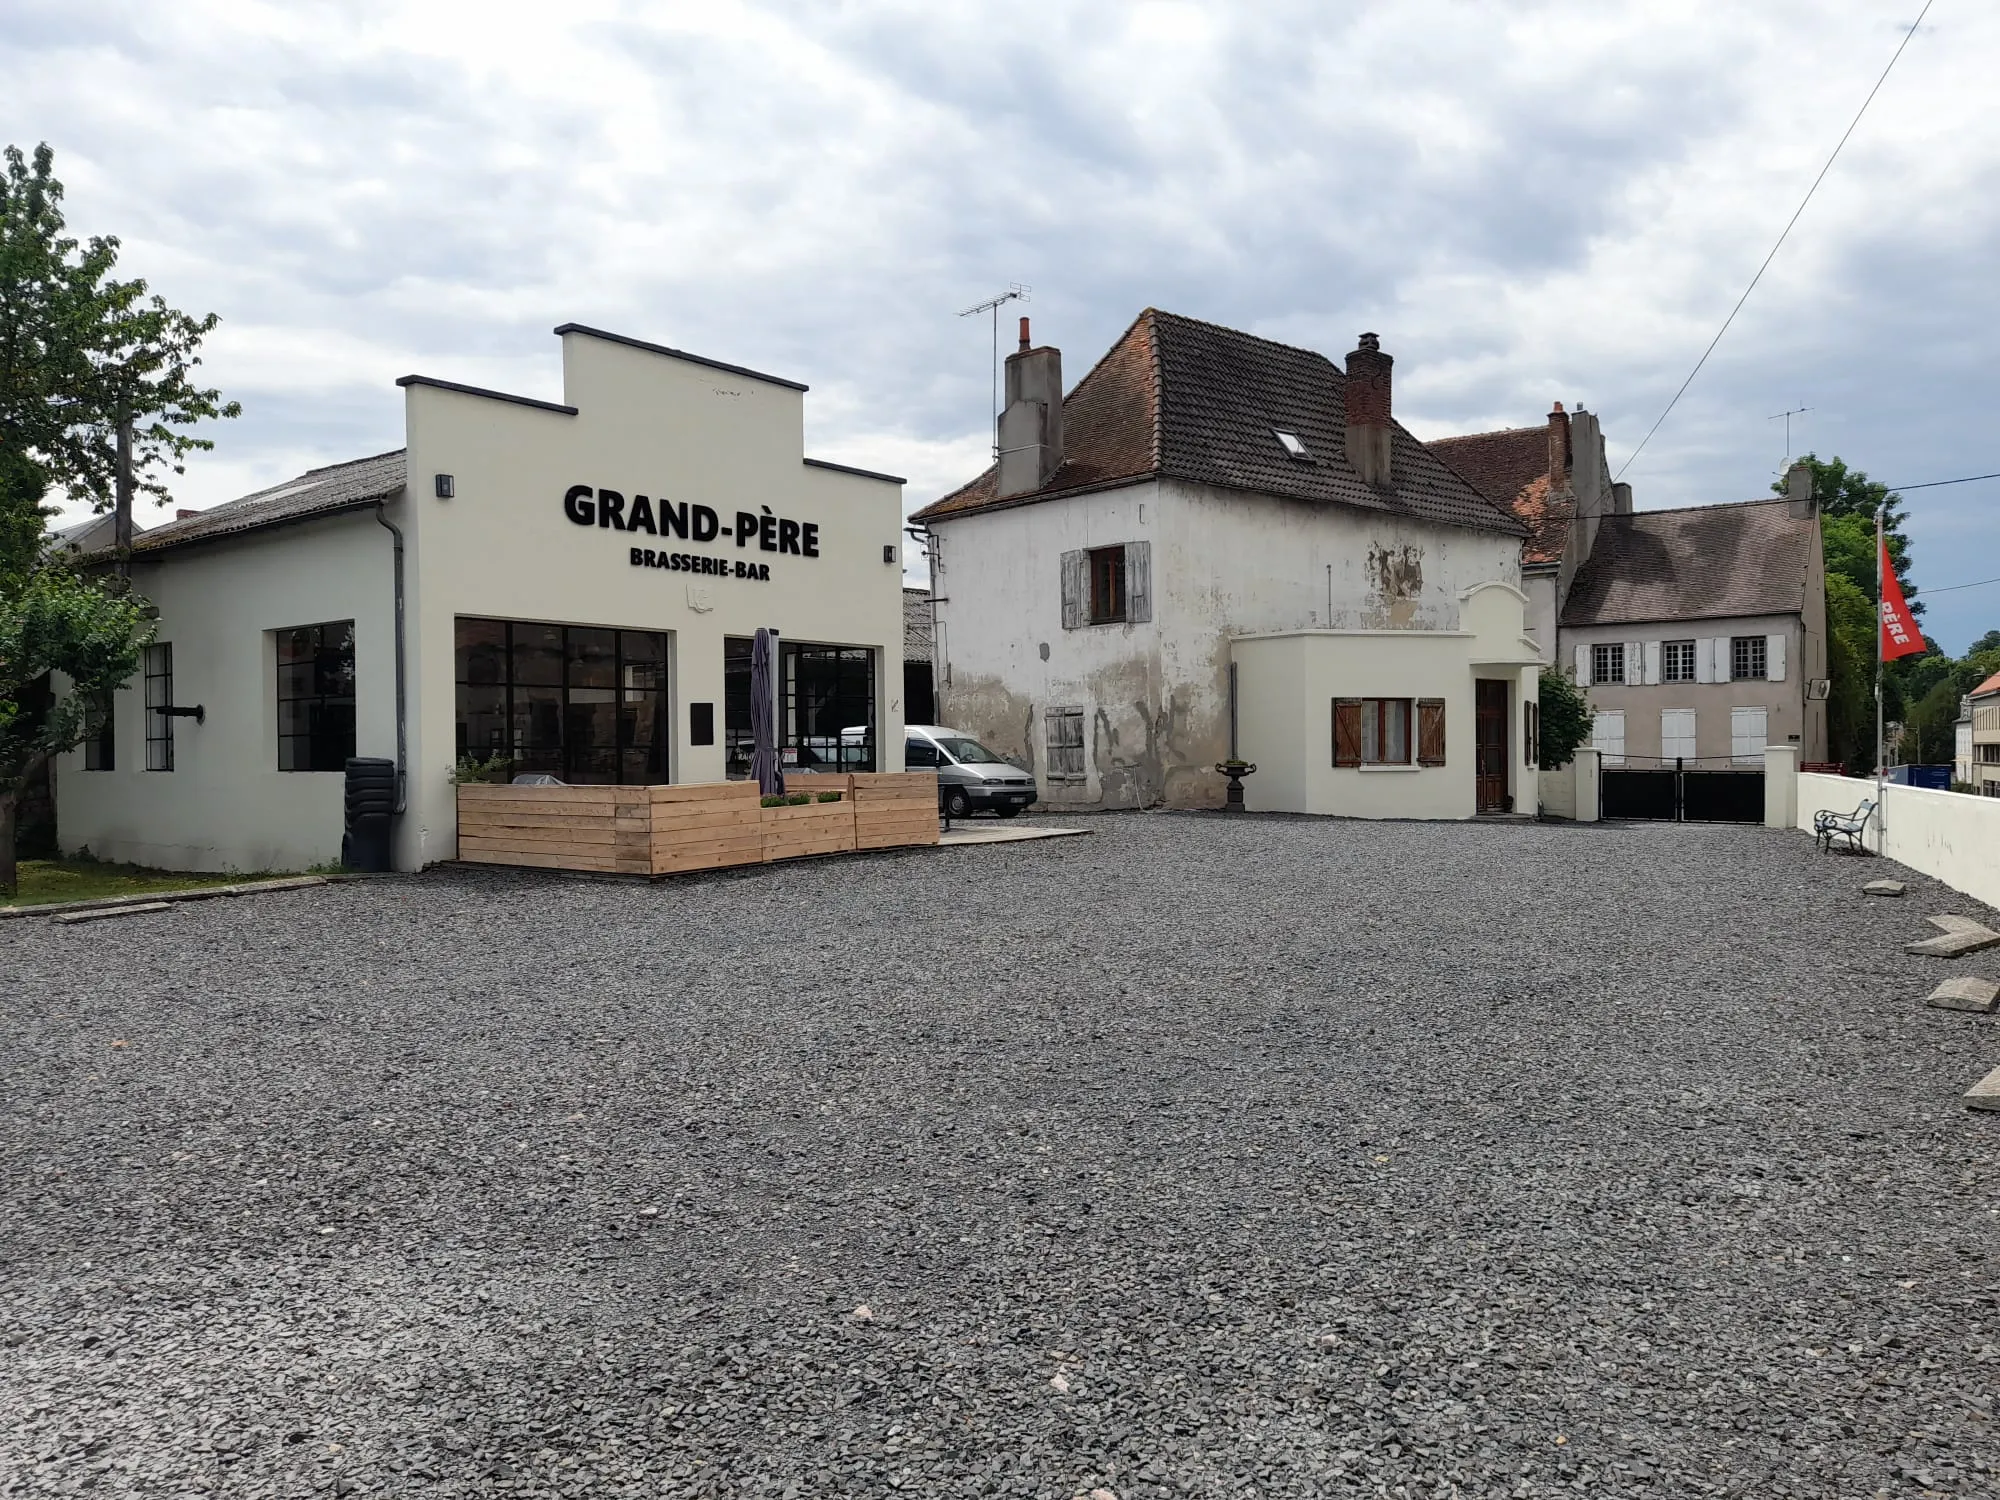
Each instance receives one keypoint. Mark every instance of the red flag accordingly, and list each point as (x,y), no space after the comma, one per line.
(1900,636)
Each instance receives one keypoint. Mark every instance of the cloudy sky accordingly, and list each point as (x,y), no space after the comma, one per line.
(1529,201)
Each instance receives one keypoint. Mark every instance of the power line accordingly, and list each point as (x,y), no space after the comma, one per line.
(1935,483)
(1775,248)
(1954,588)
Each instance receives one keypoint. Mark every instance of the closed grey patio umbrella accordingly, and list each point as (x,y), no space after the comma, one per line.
(763,718)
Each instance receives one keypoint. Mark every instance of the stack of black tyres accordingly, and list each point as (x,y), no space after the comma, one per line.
(371,804)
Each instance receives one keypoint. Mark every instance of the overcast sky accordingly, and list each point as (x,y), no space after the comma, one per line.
(1529,202)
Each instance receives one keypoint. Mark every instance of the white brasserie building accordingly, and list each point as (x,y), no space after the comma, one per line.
(569,588)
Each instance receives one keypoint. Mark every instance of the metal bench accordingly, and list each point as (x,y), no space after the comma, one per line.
(1829,825)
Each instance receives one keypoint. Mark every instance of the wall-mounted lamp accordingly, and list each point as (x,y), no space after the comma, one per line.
(889,554)
(445,488)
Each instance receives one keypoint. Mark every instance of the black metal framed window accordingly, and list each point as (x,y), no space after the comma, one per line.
(826,707)
(316,696)
(159,695)
(1607,662)
(1748,657)
(100,746)
(586,704)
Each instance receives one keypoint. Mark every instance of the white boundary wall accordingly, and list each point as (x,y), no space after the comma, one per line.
(1946,835)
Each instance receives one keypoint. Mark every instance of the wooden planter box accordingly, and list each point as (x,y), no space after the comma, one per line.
(815,827)
(893,809)
(669,830)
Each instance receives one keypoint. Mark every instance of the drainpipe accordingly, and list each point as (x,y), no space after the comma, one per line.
(402,711)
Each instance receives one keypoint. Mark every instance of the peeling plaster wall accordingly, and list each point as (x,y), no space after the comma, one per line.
(1155,695)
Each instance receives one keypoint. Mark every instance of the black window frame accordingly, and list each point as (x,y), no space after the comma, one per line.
(329,741)
(100,746)
(571,761)
(1110,600)
(159,680)
(1749,658)
(1677,661)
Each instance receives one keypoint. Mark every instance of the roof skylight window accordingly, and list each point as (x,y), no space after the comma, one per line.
(1294,448)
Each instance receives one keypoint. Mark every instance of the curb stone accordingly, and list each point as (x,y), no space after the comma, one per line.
(149,898)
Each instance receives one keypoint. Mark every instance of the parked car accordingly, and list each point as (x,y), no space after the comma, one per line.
(971,778)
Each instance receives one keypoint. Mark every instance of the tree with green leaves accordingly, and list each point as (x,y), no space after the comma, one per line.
(98,394)
(1848,500)
(1565,719)
(55,620)
(1850,659)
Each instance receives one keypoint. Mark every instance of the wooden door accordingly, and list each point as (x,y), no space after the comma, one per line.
(1490,745)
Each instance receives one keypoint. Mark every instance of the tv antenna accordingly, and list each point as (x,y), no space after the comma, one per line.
(1797,411)
(1015,293)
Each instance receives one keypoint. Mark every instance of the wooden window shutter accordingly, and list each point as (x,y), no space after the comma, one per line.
(1073,584)
(1531,734)
(1430,731)
(1347,731)
(1583,666)
(1774,657)
(1138,582)
(1635,663)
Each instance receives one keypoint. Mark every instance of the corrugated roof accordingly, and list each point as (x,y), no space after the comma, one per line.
(1177,398)
(1749,558)
(338,487)
(918,641)
(1511,468)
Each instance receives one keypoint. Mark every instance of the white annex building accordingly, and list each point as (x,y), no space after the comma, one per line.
(565,588)
(1208,506)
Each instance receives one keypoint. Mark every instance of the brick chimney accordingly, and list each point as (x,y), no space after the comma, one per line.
(1368,422)
(1031,423)
(1559,449)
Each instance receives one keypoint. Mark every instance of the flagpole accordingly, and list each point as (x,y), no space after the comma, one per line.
(1881,822)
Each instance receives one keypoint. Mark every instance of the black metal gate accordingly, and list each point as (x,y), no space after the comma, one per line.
(1683,794)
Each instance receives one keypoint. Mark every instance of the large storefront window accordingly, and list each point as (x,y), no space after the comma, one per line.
(584,704)
(826,707)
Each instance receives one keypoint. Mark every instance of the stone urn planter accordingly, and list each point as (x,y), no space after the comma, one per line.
(1235,770)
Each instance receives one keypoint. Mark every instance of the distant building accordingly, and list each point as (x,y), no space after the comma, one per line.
(1699,632)
(1961,749)
(1985,703)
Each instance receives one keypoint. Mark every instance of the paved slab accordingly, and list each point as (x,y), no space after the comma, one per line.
(1964,992)
(1954,944)
(1884,888)
(1985,1094)
(1004,833)
(105,913)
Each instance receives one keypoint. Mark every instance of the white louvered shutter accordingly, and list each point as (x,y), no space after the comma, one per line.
(1725,669)
(1138,582)
(1635,663)
(1583,666)
(1072,590)
(1774,657)
(1704,660)
(1652,663)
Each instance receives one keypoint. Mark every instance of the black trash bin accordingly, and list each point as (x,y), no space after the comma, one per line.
(371,809)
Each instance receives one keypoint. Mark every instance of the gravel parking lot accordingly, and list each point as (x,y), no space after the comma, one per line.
(1194,1158)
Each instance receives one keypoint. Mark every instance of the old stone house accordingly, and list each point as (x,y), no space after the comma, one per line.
(1207,507)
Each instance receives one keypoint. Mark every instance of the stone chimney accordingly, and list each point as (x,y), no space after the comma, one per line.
(1559,449)
(1368,422)
(1031,422)
(1799,490)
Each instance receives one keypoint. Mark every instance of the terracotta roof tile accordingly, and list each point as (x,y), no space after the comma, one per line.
(1511,468)
(1177,398)
(1990,685)
(1707,561)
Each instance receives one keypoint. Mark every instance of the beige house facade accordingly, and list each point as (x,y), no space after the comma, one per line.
(1984,706)
(560,588)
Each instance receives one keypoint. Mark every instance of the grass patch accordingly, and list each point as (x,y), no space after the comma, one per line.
(47,880)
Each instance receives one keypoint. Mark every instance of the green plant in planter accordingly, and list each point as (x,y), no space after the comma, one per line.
(771,801)
(798,799)
(496,767)
(829,796)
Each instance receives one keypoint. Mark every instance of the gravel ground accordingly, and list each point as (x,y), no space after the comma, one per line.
(1196,1158)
